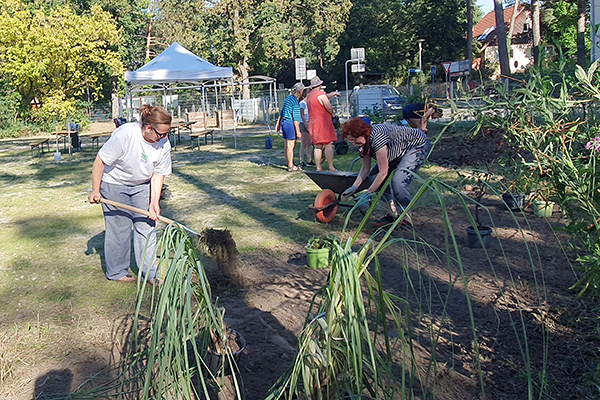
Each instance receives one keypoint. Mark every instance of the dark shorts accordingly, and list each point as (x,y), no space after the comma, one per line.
(303,128)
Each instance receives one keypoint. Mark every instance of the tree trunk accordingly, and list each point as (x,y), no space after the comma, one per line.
(501,38)
(470,31)
(581,17)
(537,35)
(114,98)
(243,66)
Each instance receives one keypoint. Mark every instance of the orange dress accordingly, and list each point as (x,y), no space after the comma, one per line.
(320,126)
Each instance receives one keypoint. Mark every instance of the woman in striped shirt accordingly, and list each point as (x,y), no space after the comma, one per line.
(393,147)
(289,123)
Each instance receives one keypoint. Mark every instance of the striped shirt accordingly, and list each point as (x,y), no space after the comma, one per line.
(398,139)
(291,109)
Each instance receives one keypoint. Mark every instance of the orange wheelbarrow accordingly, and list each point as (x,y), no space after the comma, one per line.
(333,183)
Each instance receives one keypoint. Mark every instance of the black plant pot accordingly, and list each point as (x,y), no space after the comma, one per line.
(514,201)
(474,242)
(213,360)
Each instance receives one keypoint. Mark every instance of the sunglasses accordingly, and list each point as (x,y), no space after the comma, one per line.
(162,135)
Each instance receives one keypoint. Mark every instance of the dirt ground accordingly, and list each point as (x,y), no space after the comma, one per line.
(522,306)
(525,312)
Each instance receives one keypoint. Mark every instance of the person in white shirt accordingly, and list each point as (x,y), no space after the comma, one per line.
(130,168)
(305,141)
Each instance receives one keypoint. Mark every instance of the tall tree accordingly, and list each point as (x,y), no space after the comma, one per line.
(54,54)
(501,38)
(389,30)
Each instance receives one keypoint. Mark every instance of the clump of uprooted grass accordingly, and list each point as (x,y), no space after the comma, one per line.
(175,330)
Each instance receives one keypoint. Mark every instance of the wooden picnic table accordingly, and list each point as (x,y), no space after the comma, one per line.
(176,127)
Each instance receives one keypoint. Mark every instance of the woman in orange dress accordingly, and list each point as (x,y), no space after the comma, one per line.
(321,129)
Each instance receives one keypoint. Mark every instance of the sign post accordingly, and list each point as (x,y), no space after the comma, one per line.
(447,70)
(357,55)
(300,69)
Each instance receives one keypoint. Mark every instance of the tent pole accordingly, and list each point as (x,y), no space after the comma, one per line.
(234,114)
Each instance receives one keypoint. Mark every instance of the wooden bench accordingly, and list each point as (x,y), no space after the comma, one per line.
(203,132)
(97,136)
(39,145)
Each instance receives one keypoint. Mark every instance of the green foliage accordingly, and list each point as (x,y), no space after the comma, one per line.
(9,102)
(375,114)
(54,54)
(389,30)
(346,345)
(555,126)
(168,353)
(559,18)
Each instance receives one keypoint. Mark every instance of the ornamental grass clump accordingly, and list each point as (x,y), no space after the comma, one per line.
(175,330)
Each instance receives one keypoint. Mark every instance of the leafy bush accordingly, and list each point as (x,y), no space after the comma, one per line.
(554,119)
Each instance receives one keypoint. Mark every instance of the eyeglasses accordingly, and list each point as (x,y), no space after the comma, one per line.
(162,135)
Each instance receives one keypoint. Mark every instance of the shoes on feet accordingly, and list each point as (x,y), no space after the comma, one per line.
(302,164)
(126,278)
(388,219)
(310,163)
(294,169)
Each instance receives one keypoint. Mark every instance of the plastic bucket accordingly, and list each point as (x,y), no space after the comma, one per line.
(317,258)
(473,241)
(542,208)
(514,201)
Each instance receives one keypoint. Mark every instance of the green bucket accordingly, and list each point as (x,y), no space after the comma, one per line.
(542,208)
(317,258)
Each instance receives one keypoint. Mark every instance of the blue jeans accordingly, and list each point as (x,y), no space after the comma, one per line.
(405,167)
(120,224)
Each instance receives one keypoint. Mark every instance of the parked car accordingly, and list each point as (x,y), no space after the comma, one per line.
(385,97)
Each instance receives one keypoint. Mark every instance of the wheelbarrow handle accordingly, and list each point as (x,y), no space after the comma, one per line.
(166,220)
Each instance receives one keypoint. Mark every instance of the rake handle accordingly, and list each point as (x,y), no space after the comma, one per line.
(135,209)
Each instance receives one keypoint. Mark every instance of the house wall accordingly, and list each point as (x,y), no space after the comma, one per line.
(522,57)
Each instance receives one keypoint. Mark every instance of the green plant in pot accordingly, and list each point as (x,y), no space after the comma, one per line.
(317,251)
(542,203)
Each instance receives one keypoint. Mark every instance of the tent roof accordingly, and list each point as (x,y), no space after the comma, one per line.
(176,64)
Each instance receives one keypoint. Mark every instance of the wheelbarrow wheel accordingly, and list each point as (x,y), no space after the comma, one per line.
(323,199)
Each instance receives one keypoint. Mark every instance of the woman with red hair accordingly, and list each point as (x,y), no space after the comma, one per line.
(393,147)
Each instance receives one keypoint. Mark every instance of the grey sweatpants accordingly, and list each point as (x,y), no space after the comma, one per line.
(119,224)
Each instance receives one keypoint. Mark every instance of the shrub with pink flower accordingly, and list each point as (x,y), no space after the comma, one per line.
(594,144)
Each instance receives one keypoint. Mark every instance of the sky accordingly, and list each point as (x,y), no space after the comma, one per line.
(486,5)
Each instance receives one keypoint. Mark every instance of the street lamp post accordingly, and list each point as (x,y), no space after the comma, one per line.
(347,94)
(420,41)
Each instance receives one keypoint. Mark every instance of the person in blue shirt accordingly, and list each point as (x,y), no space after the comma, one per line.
(289,123)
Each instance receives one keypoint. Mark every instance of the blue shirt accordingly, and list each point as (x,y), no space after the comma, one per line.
(291,109)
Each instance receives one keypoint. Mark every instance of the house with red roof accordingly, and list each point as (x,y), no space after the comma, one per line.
(521,43)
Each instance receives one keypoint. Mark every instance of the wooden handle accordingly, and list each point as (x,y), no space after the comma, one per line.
(135,209)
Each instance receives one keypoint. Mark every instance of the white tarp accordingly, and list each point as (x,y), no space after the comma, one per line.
(176,64)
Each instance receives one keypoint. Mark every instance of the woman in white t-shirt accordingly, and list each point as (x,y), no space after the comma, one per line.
(130,168)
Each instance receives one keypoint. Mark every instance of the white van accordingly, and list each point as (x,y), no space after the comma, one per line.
(365,98)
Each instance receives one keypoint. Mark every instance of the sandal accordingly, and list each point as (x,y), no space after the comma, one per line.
(126,278)
(294,169)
